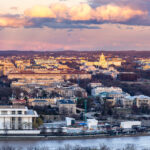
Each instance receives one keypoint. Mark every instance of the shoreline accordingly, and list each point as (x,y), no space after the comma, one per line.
(80,137)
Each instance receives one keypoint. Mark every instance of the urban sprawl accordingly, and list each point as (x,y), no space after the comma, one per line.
(74,93)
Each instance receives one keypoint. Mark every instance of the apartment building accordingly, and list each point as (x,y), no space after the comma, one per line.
(67,107)
(142,100)
(96,91)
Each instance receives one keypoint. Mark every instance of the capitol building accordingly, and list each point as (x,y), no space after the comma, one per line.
(104,63)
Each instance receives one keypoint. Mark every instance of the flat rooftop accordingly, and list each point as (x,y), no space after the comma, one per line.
(12,107)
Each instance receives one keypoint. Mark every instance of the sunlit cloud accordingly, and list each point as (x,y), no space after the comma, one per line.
(79,16)
(117,13)
(85,12)
(13,21)
(41,12)
(81,12)
(75,24)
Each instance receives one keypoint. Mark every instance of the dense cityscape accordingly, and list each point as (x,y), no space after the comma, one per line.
(74,93)
(74,75)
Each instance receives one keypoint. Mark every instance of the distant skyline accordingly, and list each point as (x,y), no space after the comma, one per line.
(74,25)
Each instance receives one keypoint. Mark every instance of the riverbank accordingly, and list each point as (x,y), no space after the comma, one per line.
(75,137)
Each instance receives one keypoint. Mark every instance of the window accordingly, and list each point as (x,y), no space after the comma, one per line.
(13,112)
(19,112)
(13,119)
(4,112)
(19,119)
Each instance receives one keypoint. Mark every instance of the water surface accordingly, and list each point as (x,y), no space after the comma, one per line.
(115,143)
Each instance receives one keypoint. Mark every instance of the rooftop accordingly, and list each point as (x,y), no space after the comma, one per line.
(12,107)
(40,101)
(66,102)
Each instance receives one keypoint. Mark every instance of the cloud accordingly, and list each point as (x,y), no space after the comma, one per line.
(144,4)
(40,11)
(81,12)
(117,13)
(13,21)
(84,12)
(65,24)
(80,16)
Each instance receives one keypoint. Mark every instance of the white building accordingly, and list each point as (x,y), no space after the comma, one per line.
(70,121)
(17,120)
(95,85)
(96,91)
(129,124)
(92,123)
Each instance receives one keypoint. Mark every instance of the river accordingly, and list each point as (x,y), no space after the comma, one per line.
(115,143)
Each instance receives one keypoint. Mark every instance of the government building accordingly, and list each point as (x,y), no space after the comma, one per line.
(17,120)
(103,62)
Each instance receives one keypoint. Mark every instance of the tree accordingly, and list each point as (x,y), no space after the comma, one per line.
(44,93)
(35,125)
(106,108)
(81,103)
(35,93)
(64,111)
(5,93)
(54,94)
(37,122)
(78,94)
(18,92)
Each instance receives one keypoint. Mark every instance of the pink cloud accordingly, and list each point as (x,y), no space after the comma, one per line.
(14,22)
(81,16)
(81,12)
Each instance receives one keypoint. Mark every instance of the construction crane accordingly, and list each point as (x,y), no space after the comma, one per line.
(85,110)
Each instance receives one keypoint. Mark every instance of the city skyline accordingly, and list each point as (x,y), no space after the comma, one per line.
(74,25)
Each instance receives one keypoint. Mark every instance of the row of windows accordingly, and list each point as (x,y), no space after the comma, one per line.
(14,119)
(12,112)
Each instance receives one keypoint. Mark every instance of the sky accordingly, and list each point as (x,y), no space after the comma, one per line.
(74,25)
